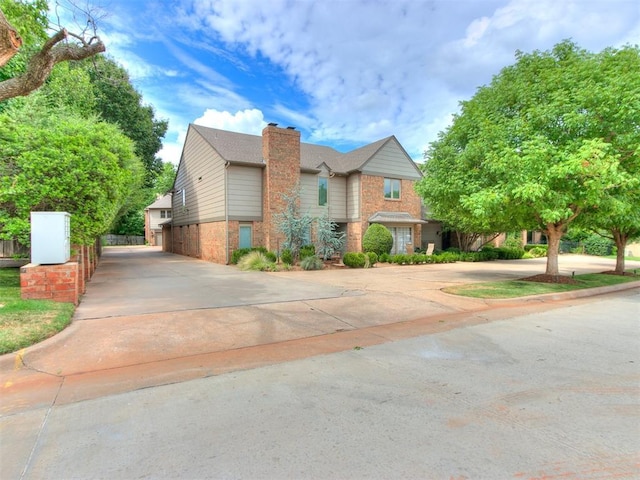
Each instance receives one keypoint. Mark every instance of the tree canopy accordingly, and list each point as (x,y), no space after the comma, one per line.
(552,137)
(56,161)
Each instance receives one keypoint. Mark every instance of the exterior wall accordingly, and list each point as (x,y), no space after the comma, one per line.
(392,161)
(244,193)
(309,195)
(281,151)
(338,199)
(152,227)
(373,201)
(431,233)
(201,176)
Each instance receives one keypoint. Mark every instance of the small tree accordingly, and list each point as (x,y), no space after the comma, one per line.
(294,225)
(377,239)
(330,240)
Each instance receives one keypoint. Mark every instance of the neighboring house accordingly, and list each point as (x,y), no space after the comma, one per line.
(155,215)
(229,186)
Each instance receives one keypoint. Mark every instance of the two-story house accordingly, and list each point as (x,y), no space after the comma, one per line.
(155,215)
(229,186)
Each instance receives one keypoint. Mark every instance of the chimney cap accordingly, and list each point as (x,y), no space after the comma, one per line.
(272,124)
(291,128)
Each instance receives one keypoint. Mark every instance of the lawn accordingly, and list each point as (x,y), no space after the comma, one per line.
(521,288)
(25,322)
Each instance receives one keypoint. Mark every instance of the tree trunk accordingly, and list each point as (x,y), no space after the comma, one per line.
(621,244)
(554,234)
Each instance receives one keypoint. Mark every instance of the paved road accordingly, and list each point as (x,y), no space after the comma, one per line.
(551,394)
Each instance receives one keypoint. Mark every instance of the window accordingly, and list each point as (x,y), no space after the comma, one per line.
(162,214)
(168,213)
(392,188)
(323,188)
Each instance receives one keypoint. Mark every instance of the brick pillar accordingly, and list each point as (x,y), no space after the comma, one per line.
(281,152)
(51,282)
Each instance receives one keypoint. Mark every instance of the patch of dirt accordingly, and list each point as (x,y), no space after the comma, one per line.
(544,278)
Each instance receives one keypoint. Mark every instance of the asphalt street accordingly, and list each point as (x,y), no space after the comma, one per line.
(552,394)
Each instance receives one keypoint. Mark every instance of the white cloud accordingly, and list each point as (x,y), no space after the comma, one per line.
(245,121)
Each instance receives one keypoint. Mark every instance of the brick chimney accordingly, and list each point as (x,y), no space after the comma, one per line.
(281,152)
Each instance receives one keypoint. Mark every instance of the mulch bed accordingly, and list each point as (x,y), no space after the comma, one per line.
(625,274)
(544,278)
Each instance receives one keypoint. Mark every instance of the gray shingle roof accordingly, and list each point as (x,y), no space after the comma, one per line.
(243,148)
(162,202)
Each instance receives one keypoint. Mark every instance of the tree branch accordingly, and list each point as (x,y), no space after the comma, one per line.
(41,64)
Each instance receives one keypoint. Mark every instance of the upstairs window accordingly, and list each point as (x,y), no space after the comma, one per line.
(163,214)
(392,188)
(323,189)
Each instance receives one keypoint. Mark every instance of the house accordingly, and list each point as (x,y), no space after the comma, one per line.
(154,216)
(229,186)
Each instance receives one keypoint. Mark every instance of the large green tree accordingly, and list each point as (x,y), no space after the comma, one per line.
(542,144)
(58,161)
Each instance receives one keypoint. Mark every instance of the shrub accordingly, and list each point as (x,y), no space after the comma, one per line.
(384,258)
(537,252)
(417,258)
(373,258)
(255,261)
(354,259)
(307,251)
(597,245)
(311,263)
(272,257)
(286,256)
(530,246)
(401,259)
(241,252)
(377,239)
(510,253)
(513,240)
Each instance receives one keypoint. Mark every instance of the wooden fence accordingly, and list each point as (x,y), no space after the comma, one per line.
(12,249)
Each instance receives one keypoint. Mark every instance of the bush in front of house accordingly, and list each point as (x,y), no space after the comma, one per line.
(510,253)
(355,259)
(596,245)
(311,262)
(286,256)
(241,252)
(377,239)
(307,251)
(384,258)
(373,258)
(537,252)
(256,260)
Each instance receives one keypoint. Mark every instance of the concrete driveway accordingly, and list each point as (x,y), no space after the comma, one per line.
(150,318)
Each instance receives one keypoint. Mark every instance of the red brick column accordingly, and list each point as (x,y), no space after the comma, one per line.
(50,282)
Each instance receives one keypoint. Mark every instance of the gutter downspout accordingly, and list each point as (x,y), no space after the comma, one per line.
(226,213)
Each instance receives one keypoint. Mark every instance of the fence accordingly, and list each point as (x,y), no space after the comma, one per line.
(112,240)
(12,249)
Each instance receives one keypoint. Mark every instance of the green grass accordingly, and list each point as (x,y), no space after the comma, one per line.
(522,288)
(26,322)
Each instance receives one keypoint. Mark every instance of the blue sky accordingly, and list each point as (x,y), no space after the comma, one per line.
(346,72)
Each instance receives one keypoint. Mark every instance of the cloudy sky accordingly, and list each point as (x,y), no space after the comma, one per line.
(344,72)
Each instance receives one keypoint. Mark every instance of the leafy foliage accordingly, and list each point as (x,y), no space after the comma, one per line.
(541,145)
(377,239)
(355,259)
(256,261)
(61,162)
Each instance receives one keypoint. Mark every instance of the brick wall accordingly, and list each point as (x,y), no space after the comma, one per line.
(50,282)
(372,201)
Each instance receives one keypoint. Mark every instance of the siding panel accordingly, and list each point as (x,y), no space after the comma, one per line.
(201,177)
(391,161)
(353,197)
(245,192)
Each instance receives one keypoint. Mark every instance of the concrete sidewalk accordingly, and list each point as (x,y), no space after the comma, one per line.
(151,318)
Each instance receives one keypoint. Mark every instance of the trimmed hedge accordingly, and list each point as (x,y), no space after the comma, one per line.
(354,259)
(377,239)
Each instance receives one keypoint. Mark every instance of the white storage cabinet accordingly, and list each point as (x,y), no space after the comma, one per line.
(50,237)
